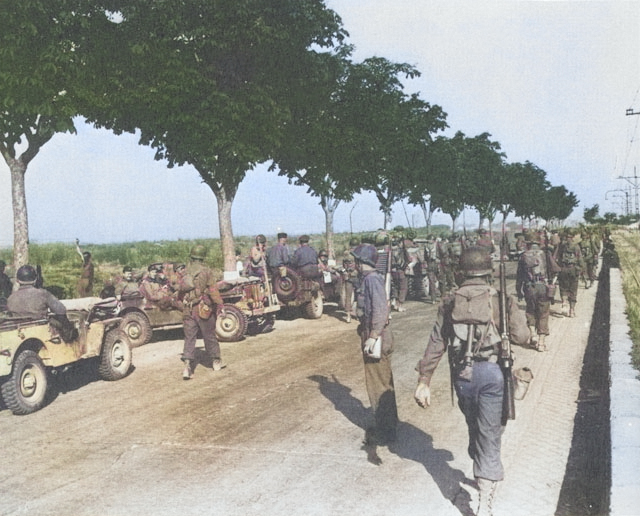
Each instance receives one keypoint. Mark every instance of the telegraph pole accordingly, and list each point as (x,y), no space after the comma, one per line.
(634,183)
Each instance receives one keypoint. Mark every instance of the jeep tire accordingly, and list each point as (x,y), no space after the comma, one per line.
(137,327)
(232,326)
(115,357)
(25,390)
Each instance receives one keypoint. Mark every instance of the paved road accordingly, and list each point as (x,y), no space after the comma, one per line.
(279,432)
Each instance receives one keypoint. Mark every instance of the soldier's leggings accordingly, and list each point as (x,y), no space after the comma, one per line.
(481,403)
(568,282)
(537,310)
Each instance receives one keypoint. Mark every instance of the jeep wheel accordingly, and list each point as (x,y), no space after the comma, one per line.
(232,326)
(313,309)
(25,390)
(115,358)
(137,327)
(286,287)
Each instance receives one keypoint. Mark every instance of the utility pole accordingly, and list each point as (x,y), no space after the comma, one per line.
(634,183)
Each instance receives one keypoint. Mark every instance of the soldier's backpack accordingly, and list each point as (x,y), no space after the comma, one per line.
(535,263)
(569,257)
(473,307)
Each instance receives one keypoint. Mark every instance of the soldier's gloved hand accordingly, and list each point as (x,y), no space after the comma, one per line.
(422,395)
(368,346)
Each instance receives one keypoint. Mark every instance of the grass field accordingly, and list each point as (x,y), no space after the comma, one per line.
(628,247)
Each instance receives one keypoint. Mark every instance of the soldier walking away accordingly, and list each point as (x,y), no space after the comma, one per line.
(535,285)
(376,342)
(6,287)
(468,323)
(569,257)
(38,303)
(85,283)
(201,302)
(590,257)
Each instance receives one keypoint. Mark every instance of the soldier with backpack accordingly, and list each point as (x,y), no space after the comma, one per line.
(468,325)
(534,283)
(569,257)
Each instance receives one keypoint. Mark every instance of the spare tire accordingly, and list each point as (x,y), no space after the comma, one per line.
(287,287)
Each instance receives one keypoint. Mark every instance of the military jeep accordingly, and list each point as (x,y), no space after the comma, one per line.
(30,350)
(249,307)
(295,291)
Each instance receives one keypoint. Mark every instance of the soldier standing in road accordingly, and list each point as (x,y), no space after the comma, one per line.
(532,281)
(590,257)
(6,287)
(201,302)
(399,281)
(85,283)
(569,258)
(373,314)
(479,383)
(278,255)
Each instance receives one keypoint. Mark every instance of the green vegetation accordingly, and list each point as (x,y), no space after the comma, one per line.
(628,247)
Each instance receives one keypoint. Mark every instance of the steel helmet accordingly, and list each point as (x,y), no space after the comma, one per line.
(354,241)
(198,252)
(26,274)
(366,253)
(476,261)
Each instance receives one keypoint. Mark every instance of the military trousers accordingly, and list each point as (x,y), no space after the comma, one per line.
(568,281)
(382,396)
(207,328)
(481,403)
(538,307)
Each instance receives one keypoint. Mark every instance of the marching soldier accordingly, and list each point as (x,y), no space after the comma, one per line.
(534,284)
(569,257)
(478,381)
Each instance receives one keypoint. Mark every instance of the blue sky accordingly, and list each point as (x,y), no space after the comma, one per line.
(551,81)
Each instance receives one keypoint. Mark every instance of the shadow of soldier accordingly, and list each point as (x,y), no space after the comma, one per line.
(411,443)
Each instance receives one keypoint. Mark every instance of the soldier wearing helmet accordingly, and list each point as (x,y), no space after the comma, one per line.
(480,391)
(6,287)
(257,262)
(201,304)
(374,331)
(38,303)
(569,257)
(534,284)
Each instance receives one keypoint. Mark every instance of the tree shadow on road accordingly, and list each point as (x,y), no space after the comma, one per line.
(412,443)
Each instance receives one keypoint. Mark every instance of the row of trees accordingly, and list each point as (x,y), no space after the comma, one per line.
(224,85)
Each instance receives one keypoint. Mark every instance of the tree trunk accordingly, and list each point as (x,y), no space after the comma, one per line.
(329,206)
(225,197)
(427,212)
(18,169)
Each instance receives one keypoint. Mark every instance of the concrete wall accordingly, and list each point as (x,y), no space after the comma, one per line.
(625,409)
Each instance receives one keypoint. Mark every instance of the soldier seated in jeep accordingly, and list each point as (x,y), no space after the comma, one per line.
(36,303)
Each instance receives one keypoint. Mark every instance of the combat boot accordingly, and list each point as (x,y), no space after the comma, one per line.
(572,311)
(487,490)
(187,372)
(532,334)
(564,305)
(541,345)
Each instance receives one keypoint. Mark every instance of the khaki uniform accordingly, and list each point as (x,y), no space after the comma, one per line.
(199,286)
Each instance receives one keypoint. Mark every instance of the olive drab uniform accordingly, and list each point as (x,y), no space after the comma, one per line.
(399,283)
(197,287)
(569,257)
(433,268)
(590,256)
(534,284)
